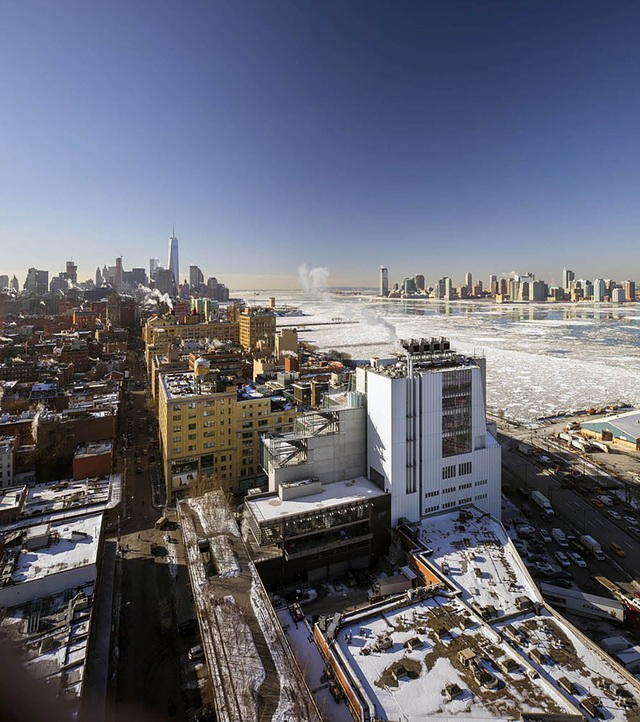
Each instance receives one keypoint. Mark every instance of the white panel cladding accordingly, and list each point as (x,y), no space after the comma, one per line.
(478,409)
(379,426)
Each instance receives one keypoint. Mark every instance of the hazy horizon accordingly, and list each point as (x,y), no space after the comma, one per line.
(429,137)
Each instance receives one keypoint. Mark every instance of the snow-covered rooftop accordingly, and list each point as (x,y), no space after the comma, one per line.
(62,499)
(336,494)
(72,544)
(484,645)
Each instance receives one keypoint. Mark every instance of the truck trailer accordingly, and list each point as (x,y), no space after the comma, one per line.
(541,500)
(591,546)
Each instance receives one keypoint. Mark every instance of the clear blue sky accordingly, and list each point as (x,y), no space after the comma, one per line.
(431,137)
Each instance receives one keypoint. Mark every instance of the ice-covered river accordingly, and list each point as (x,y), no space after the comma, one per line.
(542,359)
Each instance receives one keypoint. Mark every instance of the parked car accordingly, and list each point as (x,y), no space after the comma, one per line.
(545,536)
(614,514)
(187,627)
(525,530)
(634,531)
(564,583)
(563,559)
(561,574)
(196,652)
(577,559)
(631,520)
(597,502)
(617,549)
(543,566)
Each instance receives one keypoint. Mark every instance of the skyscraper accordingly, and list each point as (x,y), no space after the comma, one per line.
(154,264)
(72,272)
(196,278)
(173,265)
(567,277)
(384,281)
(118,275)
(468,282)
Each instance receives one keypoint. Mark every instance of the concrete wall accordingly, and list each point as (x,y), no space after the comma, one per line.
(11,596)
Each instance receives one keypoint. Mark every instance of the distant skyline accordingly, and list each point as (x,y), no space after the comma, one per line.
(429,137)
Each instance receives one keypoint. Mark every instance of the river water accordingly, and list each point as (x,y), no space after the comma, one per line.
(542,359)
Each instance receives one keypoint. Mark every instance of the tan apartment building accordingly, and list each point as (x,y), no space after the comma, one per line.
(160,332)
(257,330)
(210,433)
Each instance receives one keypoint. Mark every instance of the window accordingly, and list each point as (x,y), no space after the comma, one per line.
(223,458)
(432,508)
(432,493)
(191,448)
(176,407)
(191,427)
(177,439)
(177,417)
(262,422)
(192,437)
(448,472)
(191,405)
(465,486)
(177,450)
(482,482)
(449,490)
(465,501)
(480,496)
(464,468)
(456,412)
(449,504)
(176,429)
(209,444)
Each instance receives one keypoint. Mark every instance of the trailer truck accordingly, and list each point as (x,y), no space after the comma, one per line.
(591,546)
(541,500)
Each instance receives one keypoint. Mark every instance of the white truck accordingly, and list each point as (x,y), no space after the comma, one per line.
(560,537)
(591,546)
(537,497)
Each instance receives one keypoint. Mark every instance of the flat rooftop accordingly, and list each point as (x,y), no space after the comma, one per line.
(336,494)
(401,655)
(58,500)
(94,448)
(74,543)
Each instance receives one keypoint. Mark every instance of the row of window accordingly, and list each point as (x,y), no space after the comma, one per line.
(464,469)
(451,489)
(452,504)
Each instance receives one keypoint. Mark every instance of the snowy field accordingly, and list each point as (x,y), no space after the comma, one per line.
(542,359)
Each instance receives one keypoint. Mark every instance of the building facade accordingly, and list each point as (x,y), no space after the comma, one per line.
(210,433)
(428,444)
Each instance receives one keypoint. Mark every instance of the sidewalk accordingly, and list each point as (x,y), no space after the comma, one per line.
(97,671)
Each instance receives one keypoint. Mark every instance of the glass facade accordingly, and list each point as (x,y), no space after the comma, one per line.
(456,412)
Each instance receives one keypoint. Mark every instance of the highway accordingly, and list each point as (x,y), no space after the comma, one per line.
(574,512)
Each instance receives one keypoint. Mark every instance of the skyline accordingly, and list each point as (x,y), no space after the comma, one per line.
(435,139)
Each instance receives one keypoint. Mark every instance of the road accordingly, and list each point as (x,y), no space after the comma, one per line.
(574,513)
(148,681)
